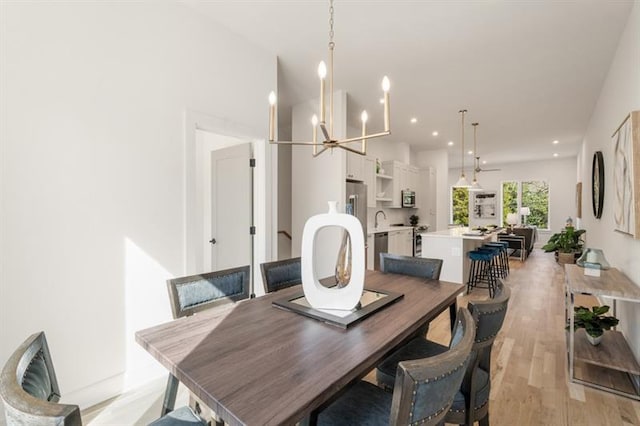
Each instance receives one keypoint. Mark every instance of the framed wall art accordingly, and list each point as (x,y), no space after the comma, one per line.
(485,205)
(626,176)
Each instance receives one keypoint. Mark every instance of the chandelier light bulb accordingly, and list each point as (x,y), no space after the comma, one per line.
(322,70)
(364,117)
(314,120)
(272,98)
(386,85)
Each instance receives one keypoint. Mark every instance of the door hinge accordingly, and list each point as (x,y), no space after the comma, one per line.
(252,162)
(252,230)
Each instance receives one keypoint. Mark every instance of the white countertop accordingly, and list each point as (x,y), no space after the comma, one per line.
(457,233)
(386,228)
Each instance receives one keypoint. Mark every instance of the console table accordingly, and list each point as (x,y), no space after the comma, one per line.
(614,351)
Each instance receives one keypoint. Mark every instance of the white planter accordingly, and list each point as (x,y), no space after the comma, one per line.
(319,296)
(595,341)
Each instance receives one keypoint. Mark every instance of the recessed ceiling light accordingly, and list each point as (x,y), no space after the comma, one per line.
(414,120)
(381,100)
(435,133)
(470,152)
(555,154)
(556,142)
(484,161)
(450,143)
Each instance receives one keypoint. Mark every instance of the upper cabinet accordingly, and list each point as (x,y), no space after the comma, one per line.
(355,166)
(405,177)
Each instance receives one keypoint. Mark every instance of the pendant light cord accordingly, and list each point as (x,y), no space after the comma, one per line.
(462,111)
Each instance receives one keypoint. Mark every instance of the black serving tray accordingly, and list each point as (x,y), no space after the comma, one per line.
(371,301)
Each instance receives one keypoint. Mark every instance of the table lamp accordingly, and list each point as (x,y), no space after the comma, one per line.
(512,219)
(525,211)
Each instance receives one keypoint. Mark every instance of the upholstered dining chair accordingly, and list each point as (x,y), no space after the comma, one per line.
(196,293)
(421,267)
(424,388)
(29,390)
(414,266)
(471,403)
(281,274)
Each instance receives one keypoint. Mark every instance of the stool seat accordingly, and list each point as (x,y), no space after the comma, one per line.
(479,255)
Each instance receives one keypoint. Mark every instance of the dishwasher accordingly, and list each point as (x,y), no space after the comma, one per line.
(380,245)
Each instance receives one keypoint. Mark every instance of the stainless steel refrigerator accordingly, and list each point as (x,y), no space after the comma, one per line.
(356,203)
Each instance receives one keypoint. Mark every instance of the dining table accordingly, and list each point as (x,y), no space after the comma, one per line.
(253,363)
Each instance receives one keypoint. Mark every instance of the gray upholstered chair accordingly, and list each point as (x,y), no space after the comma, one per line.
(476,385)
(196,293)
(424,388)
(421,267)
(414,266)
(281,274)
(29,390)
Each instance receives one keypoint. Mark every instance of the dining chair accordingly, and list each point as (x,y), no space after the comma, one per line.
(471,402)
(424,388)
(30,392)
(196,293)
(281,274)
(421,267)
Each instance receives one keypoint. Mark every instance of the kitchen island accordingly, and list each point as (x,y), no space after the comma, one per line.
(452,246)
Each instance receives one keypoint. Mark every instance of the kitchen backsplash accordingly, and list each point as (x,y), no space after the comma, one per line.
(394,216)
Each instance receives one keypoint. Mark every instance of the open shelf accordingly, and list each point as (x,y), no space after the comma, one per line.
(613,352)
(384,199)
(384,176)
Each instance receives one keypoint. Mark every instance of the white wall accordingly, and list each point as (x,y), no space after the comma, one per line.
(92,172)
(388,150)
(560,173)
(439,161)
(315,181)
(620,94)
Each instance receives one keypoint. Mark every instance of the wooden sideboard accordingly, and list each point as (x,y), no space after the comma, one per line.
(613,352)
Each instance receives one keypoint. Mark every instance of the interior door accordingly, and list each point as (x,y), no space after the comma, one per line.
(229,244)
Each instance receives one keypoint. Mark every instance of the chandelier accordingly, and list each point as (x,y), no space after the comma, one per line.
(462,182)
(326,128)
(475,186)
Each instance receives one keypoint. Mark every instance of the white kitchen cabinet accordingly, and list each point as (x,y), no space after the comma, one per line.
(394,242)
(401,242)
(369,175)
(355,166)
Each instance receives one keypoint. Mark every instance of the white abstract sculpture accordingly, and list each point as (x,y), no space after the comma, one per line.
(319,296)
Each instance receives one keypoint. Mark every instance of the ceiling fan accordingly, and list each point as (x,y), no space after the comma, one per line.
(478,169)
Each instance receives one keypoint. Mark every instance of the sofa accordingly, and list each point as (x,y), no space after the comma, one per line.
(530,234)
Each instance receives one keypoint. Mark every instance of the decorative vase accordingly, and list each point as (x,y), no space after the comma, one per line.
(347,295)
(343,263)
(595,341)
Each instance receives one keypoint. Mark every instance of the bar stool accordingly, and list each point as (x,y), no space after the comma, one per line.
(503,259)
(481,271)
(496,253)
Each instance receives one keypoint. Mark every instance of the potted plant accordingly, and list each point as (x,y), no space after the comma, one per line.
(594,321)
(567,244)
(413,220)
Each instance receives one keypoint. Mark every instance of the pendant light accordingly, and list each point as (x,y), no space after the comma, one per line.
(462,182)
(475,186)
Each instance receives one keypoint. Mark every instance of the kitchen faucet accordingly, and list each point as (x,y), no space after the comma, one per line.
(376,218)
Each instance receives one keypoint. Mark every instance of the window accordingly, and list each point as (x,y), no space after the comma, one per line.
(460,206)
(533,194)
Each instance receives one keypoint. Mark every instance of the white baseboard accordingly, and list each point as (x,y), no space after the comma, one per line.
(96,393)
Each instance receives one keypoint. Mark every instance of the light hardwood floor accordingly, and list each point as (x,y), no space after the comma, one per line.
(529,373)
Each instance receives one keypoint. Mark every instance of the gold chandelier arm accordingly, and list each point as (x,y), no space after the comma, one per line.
(359,138)
(323,127)
(295,143)
(315,154)
(355,151)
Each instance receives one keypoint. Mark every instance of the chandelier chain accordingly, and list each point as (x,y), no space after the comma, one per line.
(331,43)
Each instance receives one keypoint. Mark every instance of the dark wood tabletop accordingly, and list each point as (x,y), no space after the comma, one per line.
(255,364)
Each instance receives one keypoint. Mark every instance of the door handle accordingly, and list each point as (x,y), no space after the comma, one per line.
(213,241)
